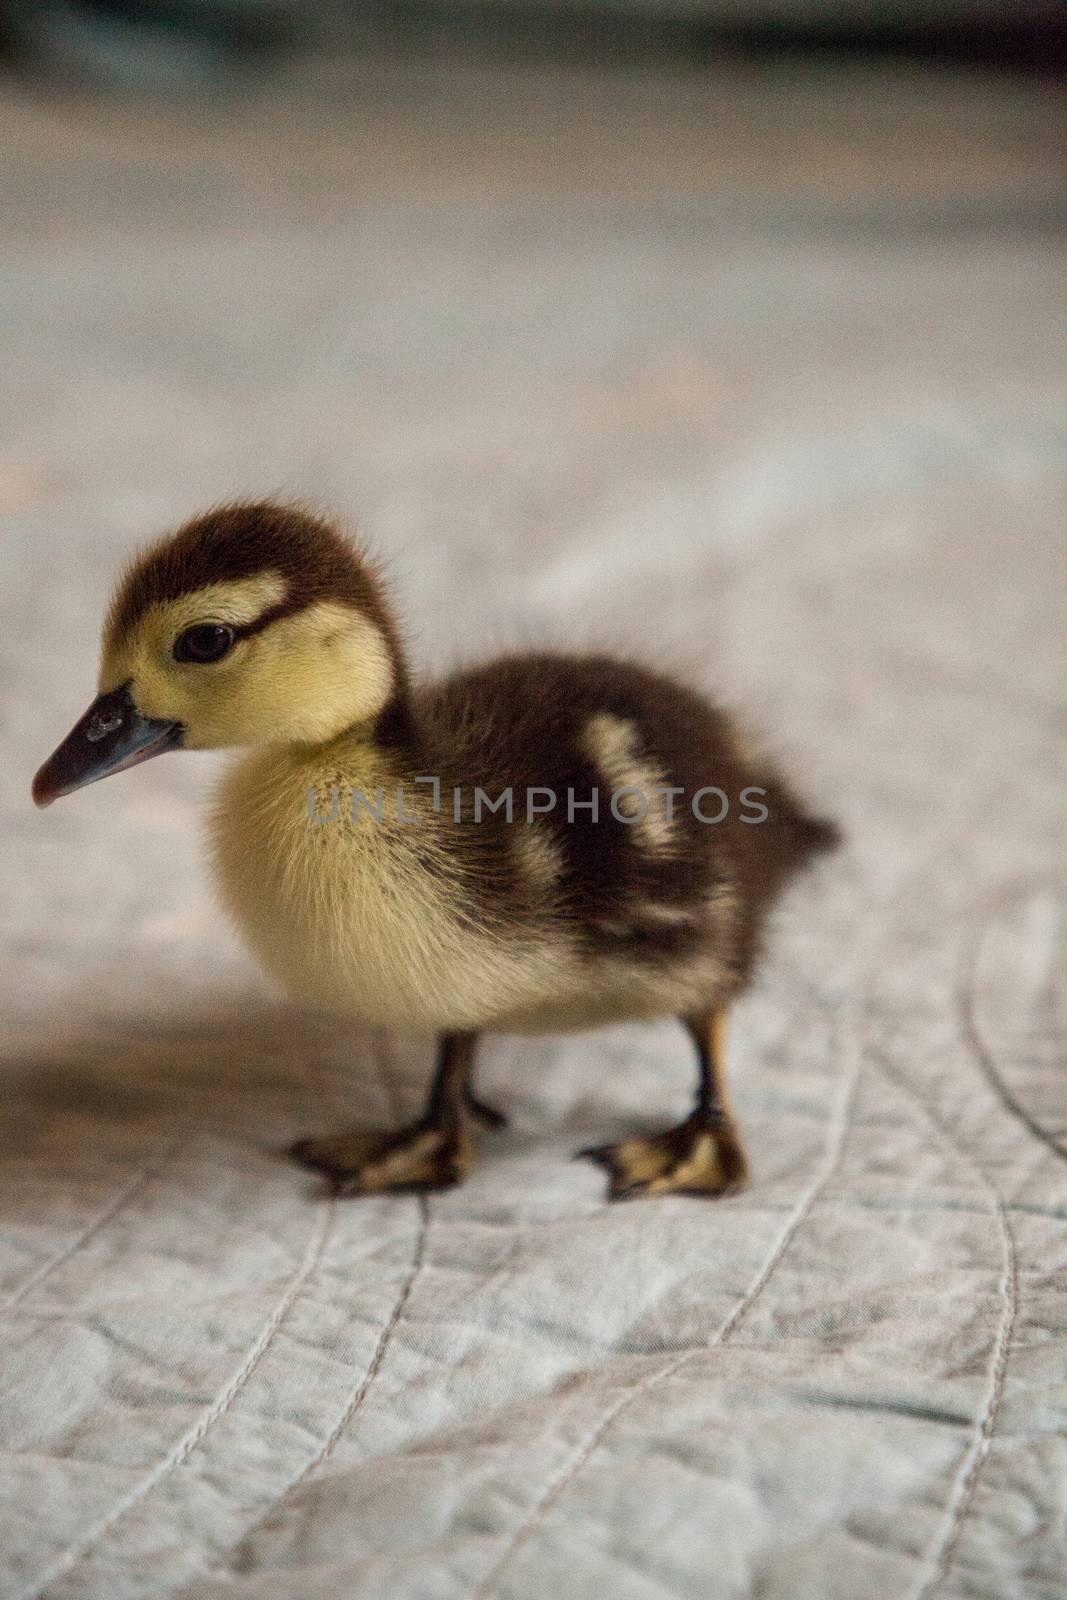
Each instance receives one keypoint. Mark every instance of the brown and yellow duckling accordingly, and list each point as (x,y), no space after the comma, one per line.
(544,842)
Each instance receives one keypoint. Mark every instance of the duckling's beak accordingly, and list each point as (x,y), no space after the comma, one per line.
(112,736)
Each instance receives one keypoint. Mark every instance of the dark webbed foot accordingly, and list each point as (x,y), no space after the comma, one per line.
(701,1156)
(433,1153)
(426,1155)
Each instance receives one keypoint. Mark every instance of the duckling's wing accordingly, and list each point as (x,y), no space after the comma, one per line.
(647,859)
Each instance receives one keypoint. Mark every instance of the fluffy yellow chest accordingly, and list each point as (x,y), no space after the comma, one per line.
(360,913)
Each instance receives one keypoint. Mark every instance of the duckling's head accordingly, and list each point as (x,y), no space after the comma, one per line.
(255,624)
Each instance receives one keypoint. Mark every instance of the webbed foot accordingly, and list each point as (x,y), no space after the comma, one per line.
(426,1155)
(701,1156)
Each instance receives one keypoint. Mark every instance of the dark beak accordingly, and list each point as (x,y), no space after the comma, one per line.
(112,736)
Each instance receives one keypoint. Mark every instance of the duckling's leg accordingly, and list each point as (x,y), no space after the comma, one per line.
(478,1108)
(433,1153)
(701,1156)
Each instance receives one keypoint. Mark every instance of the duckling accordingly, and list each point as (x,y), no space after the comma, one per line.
(544,842)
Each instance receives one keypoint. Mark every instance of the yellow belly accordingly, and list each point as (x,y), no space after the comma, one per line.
(356,915)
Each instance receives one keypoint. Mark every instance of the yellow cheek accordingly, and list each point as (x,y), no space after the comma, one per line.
(329,669)
(308,678)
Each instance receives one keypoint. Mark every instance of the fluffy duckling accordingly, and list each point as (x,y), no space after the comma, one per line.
(543,842)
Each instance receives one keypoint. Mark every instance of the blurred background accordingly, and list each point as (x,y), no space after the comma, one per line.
(151,42)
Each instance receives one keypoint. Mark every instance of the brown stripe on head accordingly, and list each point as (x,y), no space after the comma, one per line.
(313,560)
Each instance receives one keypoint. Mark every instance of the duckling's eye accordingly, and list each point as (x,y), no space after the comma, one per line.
(205,641)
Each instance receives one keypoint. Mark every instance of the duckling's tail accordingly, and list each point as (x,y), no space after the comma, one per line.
(804,835)
(814,835)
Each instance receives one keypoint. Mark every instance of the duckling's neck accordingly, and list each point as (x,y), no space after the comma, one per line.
(381,750)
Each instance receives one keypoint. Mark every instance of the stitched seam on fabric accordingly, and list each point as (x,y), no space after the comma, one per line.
(379,1355)
(983,1055)
(965,1484)
(312,1255)
(118,1202)
(662,1374)
(971,1467)
(360,1395)
(961,1496)
(834,1150)
(357,1399)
